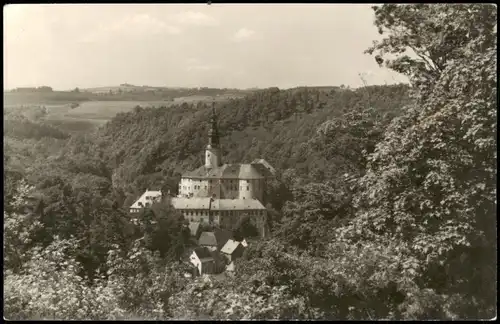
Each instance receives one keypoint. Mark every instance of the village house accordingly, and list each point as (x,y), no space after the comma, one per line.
(232,250)
(215,240)
(203,260)
(146,200)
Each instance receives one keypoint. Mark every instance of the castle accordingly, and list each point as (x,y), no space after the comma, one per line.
(221,194)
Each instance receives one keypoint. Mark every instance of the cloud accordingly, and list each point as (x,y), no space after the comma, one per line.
(243,34)
(194,18)
(139,24)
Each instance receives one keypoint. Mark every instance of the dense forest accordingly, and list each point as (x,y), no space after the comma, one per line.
(383,206)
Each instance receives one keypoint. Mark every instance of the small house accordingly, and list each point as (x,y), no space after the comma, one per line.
(203,260)
(215,240)
(146,200)
(232,250)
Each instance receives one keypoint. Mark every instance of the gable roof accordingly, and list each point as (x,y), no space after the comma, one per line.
(193,227)
(207,238)
(230,247)
(147,196)
(202,253)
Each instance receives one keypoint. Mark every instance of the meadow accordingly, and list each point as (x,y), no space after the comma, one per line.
(72,116)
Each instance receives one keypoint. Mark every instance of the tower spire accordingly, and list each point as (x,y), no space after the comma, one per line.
(212,153)
(213,134)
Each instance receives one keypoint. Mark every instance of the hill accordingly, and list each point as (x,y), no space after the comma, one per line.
(114,93)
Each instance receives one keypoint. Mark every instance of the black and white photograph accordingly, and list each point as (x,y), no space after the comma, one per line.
(244,161)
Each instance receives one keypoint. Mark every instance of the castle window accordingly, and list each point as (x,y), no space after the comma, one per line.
(248,188)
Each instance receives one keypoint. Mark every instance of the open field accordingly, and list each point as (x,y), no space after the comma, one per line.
(88,115)
(105,110)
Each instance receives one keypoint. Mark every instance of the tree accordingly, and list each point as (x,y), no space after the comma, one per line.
(314,211)
(244,228)
(48,287)
(20,226)
(433,35)
(167,229)
(430,184)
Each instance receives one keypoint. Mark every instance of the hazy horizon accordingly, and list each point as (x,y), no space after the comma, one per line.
(189,46)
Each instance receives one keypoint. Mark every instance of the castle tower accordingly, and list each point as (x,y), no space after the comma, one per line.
(212,153)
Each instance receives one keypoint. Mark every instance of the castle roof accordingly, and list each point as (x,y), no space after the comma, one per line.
(191,203)
(237,204)
(217,204)
(230,171)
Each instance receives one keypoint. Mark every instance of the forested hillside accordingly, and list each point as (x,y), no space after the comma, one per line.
(146,145)
(383,207)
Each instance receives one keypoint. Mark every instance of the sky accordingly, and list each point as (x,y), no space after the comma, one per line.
(224,46)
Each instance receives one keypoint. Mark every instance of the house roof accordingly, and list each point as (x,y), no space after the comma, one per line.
(222,237)
(207,238)
(266,164)
(193,227)
(229,171)
(203,253)
(217,238)
(191,203)
(146,197)
(237,204)
(230,247)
